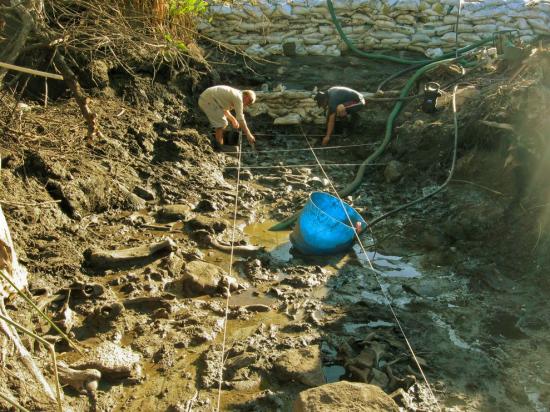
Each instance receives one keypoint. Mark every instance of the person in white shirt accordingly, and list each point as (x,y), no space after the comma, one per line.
(218,101)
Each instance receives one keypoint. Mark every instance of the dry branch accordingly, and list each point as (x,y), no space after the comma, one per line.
(31,71)
(82,101)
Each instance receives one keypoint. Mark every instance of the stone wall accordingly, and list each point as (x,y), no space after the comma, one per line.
(288,107)
(304,27)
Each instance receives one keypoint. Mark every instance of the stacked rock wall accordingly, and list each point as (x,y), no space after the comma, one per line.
(289,107)
(305,27)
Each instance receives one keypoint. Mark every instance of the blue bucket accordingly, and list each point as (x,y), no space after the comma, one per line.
(323,227)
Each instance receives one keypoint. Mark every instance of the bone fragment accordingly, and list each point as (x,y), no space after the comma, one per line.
(105,259)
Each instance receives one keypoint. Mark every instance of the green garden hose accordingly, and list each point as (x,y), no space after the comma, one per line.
(379,56)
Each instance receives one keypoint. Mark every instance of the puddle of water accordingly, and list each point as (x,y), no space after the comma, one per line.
(535,399)
(218,257)
(380,324)
(388,266)
(276,243)
(381,300)
(454,338)
(333,373)
(282,252)
(251,297)
(351,328)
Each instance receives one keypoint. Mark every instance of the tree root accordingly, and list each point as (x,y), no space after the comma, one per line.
(83,102)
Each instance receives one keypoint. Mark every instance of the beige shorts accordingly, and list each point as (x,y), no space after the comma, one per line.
(213,112)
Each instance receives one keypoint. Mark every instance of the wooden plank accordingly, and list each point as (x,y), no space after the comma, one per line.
(31,71)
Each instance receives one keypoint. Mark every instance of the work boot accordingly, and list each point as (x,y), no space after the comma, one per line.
(215,145)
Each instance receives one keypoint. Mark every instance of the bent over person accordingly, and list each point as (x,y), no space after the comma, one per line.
(340,102)
(218,101)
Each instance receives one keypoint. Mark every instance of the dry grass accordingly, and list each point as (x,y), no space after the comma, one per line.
(160,16)
(125,31)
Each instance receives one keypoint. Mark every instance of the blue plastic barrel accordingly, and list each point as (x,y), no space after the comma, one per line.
(323,227)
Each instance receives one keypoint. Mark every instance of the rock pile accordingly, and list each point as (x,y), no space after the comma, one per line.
(304,27)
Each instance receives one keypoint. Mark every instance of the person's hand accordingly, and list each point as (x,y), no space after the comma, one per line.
(341,110)
(251,139)
(325,140)
(235,124)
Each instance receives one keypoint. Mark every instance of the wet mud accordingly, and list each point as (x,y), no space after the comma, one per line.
(133,260)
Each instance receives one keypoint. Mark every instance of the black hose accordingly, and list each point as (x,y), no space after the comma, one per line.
(398,74)
(440,188)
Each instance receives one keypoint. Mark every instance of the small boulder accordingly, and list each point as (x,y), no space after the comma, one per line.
(302,365)
(112,360)
(379,378)
(393,171)
(239,363)
(344,396)
(206,206)
(144,193)
(173,213)
(210,224)
(99,73)
(201,278)
(130,201)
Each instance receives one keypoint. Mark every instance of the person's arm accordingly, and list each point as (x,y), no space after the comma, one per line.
(240,117)
(231,119)
(341,110)
(249,136)
(330,128)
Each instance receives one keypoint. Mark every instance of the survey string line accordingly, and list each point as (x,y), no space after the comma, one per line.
(231,257)
(386,297)
(230,272)
(298,166)
(304,149)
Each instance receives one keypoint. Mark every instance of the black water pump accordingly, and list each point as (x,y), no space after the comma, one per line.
(431,93)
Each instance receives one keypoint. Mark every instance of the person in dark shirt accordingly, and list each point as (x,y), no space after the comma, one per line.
(339,102)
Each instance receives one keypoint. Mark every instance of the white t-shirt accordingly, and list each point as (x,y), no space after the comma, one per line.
(227,98)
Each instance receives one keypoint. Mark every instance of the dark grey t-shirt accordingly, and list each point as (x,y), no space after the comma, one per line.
(351,99)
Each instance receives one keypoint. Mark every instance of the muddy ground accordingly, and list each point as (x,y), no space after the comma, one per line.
(466,271)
